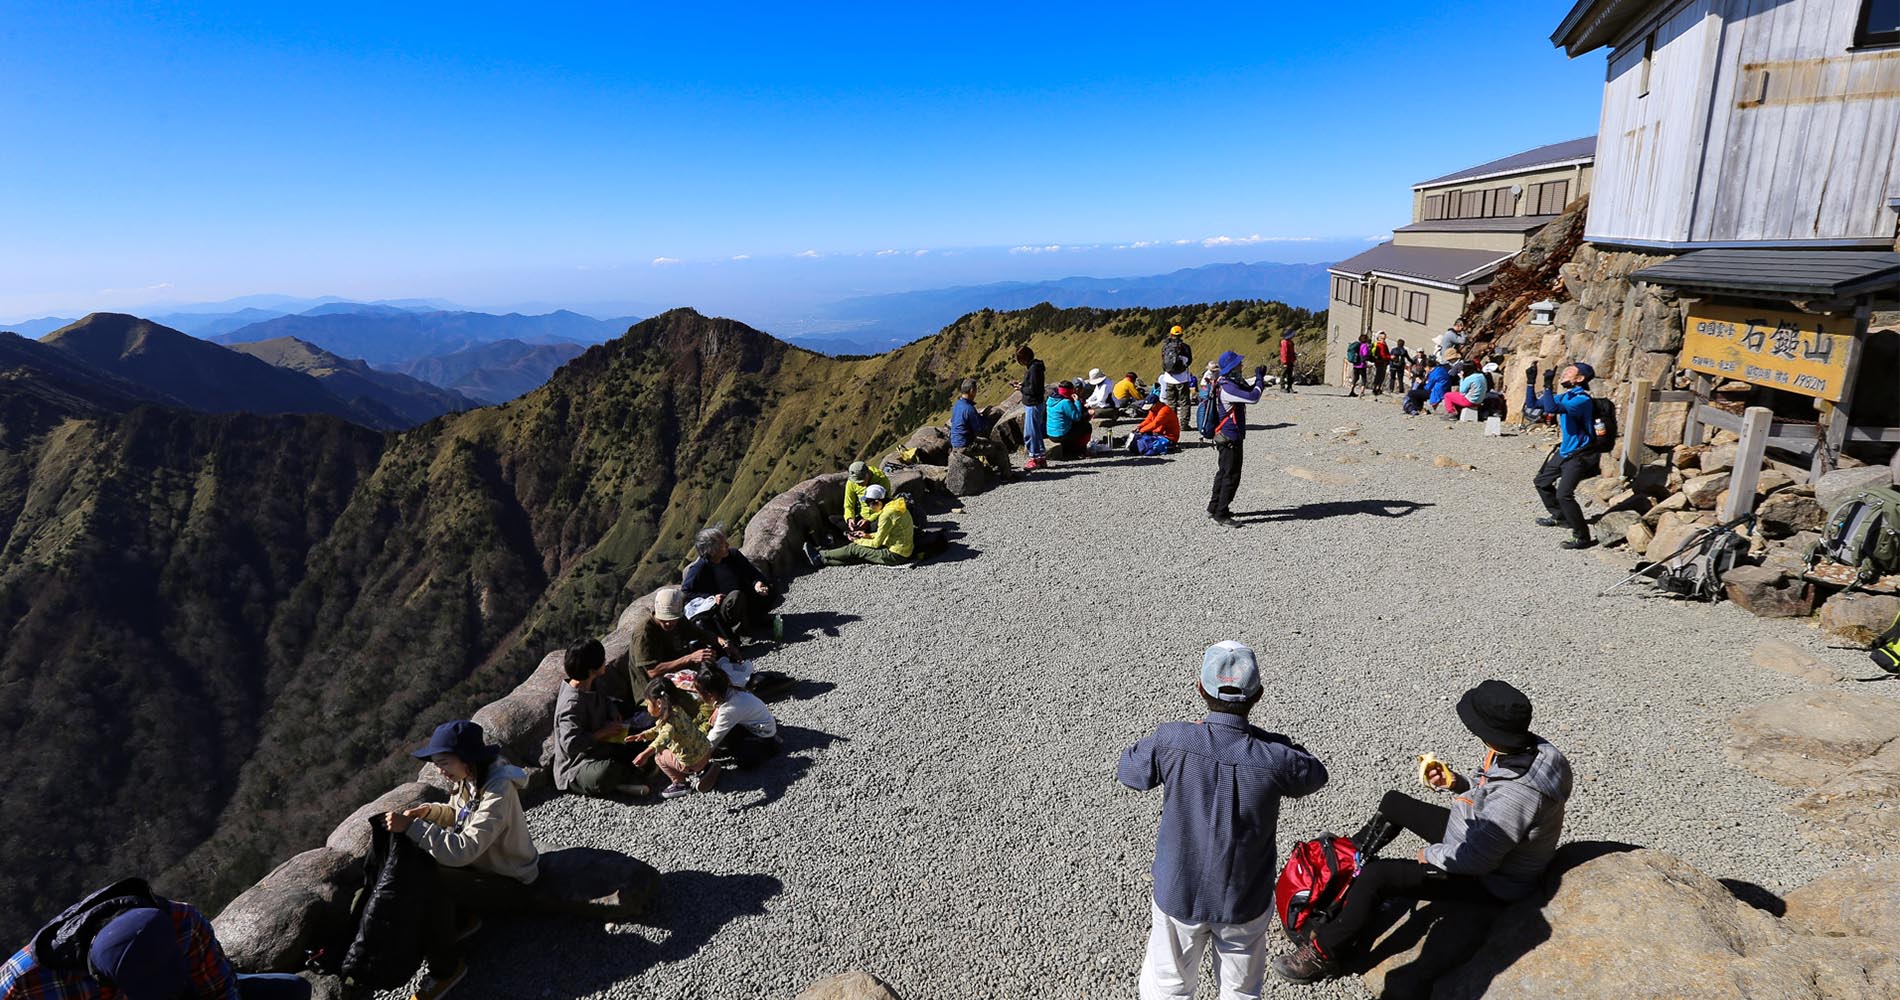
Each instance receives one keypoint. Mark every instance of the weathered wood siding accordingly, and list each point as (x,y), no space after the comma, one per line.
(1760,125)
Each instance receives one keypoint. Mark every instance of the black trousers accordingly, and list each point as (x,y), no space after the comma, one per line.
(1557,483)
(747,750)
(1286,377)
(1226,478)
(1359,378)
(1398,878)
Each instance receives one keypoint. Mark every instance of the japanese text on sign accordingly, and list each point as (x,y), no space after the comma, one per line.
(1794,352)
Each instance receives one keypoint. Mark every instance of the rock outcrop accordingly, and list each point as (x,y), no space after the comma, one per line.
(853,985)
(303,903)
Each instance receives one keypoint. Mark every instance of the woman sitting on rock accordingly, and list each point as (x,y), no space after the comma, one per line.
(1066,424)
(479,839)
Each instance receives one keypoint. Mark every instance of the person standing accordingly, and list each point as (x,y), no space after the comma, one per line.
(1573,458)
(1381,363)
(1033,390)
(1230,398)
(1215,855)
(1445,346)
(1177,372)
(1288,355)
(1401,363)
(1358,355)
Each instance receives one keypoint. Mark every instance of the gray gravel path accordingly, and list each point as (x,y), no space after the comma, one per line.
(949,819)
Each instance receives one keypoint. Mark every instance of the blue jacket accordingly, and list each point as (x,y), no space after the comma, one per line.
(1438,382)
(1062,416)
(966,425)
(1576,417)
(1235,395)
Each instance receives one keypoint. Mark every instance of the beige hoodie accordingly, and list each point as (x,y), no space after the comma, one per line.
(492,837)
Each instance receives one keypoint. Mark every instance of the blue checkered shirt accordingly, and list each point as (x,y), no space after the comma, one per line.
(1215,859)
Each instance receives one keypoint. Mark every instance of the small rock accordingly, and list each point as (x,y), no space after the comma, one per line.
(1639,537)
(1785,513)
(1673,502)
(1773,481)
(853,985)
(1445,462)
(1719,458)
(1704,491)
(1838,486)
(1687,456)
(1613,528)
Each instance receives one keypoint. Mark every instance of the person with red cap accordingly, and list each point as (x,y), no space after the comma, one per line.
(1491,845)
(127,942)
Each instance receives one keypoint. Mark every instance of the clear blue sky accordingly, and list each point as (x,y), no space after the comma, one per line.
(525,152)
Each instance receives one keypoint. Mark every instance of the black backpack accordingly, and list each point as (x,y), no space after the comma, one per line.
(1175,356)
(1605,421)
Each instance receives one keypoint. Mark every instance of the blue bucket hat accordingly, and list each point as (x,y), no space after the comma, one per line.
(137,953)
(1229,361)
(461,738)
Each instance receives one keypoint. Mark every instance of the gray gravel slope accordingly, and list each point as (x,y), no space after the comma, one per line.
(949,819)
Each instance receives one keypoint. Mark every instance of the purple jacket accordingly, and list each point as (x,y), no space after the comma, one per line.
(1235,395)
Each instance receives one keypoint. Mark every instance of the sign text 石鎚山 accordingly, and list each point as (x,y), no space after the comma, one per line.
(1791,351)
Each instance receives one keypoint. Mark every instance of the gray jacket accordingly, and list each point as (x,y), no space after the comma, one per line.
(578,715)
(1505,826)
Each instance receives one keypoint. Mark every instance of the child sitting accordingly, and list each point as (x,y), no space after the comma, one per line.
(743,729)
(675,743)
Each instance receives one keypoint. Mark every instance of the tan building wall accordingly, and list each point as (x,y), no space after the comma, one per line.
(1579,177)
(1344,323)
(1501,242)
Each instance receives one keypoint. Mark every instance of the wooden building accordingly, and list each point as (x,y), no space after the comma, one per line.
(1464,225)
(1759,140)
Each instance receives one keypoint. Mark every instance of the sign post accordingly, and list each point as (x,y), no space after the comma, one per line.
(1794,352)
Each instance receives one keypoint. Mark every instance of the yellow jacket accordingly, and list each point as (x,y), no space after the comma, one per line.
(894,529)
(1126,389)
(854,493)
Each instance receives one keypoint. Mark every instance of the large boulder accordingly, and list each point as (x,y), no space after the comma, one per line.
(775,537)
(352,836)
(1858,617)
(1007,429)
(1803,738)
(1851,902)
(1830,490)
(303,903)
(928,445)
(594,883)
(968,475)
(523,718)
(1783,514)
(1785,658)
(1768,593)
(853,985)
(1859,807)
(1644,924)
(1673,531)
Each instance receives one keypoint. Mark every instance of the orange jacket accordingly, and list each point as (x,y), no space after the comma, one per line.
(1161,420)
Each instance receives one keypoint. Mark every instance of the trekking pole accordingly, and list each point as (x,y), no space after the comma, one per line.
(1701,536)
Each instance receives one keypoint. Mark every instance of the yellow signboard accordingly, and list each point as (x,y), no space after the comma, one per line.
(1794,352)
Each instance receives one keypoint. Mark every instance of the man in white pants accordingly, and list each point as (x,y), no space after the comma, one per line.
(1215,858)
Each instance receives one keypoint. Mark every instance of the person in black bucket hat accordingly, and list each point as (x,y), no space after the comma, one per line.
(1491,844)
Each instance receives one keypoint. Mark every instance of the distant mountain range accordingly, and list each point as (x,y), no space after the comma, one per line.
(876,323)
(387,336)
(495,372)
(407,401)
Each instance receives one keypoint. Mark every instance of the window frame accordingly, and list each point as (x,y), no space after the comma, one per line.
(1865,39)
(1423,310)
(1394,290)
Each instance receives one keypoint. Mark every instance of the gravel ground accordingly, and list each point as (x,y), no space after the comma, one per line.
(949,819)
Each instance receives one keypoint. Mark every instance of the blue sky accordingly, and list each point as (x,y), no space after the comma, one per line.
(489,155)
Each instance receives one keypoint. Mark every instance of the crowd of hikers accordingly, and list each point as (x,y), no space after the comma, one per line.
(685,703)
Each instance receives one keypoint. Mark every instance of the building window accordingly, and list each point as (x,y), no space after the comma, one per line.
(1550,197)
(1417,306)
(1649,57)
(1347,290)
(1434,207)
(1388,299)
(1879,23)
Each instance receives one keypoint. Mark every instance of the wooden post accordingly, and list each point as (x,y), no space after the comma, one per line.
(1692,427)
(1835,417)
(1742,483)
(1635,429)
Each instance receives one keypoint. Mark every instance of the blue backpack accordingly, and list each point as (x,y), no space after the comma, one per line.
(1150,444)
(1207,415)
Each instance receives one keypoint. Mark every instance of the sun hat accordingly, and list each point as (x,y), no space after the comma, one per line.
(137,953)
(1498,714)
(875,491)
(858,472)
(667,604)
(1490,368)
(1229,673)
(1096,376)
(1229,361)
(461,738)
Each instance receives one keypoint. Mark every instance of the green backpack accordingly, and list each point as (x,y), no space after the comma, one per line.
(1864,533)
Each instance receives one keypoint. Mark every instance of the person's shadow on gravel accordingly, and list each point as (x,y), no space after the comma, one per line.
(803,625)
(1332,508)
(779,773)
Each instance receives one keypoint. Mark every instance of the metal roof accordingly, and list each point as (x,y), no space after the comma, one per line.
(1530,159)
(1592,24)
(1815,274)
(1450,267)
(1508,224)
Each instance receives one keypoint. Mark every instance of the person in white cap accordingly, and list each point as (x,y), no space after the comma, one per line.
(856,478)
(891,544)
(1215,856)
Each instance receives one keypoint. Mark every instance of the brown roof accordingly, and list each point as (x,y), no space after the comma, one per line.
(1805,273)
(1448,267)
(1530,159)
(1508,224)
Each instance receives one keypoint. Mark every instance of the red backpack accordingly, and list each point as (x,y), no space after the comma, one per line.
(1313,884)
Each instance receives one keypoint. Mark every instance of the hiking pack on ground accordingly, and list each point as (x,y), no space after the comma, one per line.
(1312,887)
(1863,533)
(1696,569)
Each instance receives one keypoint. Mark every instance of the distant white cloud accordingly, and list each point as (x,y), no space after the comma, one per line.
(918,253)
(161,286)
(1182,243)
(1247,241)
(1051,248)
(1145,244)
(742,256)
(889,253)
(663,261)
(808,254)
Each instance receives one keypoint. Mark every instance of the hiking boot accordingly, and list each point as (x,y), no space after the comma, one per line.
(675,790)
(813,556)
(1578,543)
(1226,521)
(1548,522)
(1306,965)
(434,987)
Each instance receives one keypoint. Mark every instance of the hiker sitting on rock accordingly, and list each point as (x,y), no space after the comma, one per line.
(856,478)
(1438,382)
(486,862)
(742,729)
(675,744)
(669,642)
(1491,846)
(724,578)
(1469,395)
(1065,422)
(125,941)
(1161,420)
(969,436)
(591,756)
(1129,396)
(891,544)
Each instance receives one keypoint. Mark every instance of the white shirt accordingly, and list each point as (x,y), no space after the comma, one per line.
(742,708)
(1102,396)
(1185,378)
